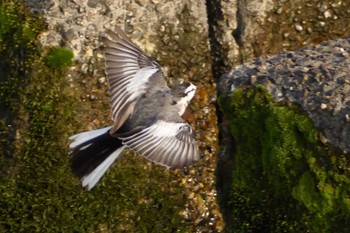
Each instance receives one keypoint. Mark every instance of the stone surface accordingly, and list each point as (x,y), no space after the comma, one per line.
(316,78)
(241,30)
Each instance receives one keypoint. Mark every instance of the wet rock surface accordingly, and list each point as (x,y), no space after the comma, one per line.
(316,78)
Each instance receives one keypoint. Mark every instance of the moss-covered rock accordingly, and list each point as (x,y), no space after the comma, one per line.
(38,192)
(284,179)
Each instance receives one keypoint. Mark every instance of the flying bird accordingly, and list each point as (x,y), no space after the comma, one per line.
(146,114)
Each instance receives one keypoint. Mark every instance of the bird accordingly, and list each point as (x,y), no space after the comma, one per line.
(146,114)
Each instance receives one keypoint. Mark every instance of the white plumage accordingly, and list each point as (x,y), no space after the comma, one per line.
(91,180)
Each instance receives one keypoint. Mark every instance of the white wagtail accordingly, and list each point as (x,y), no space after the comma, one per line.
(146,114)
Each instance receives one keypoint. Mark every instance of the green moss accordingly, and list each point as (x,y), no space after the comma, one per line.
(59,58)
(38,192)
(17,46)
(284,180)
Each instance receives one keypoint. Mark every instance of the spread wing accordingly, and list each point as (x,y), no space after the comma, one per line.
(166,143)
(128,71)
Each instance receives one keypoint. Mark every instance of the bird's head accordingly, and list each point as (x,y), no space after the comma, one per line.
(183,93)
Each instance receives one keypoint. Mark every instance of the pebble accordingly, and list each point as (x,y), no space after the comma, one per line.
(298,27)
(92,3)
(141,2)
(84,68)
(279,10)
(102,80)
(327,14)
(69,34)
(191,196)
(90,31)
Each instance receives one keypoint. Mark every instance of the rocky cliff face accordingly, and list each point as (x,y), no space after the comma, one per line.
(200,41)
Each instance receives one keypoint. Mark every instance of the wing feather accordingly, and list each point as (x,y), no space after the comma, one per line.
(128,70)
(167,143)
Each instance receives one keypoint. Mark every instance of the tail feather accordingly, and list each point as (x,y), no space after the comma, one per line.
(82,138)
(93,152)
(91,180)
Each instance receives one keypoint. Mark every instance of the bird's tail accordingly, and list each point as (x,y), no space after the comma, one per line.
(93,152)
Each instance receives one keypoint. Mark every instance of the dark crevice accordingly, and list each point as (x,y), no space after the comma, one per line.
(219,66)
(224,178)
(218,53)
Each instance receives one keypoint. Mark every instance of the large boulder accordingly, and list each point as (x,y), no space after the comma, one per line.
(288,118)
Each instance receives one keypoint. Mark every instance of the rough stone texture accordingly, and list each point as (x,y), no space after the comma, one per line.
(243,29)
(234,25)
(77,24)
(316,78)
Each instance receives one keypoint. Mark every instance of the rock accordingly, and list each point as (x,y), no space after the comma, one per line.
(298,27)
(68,35)
(141,2)
(92,3)
(315,77)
